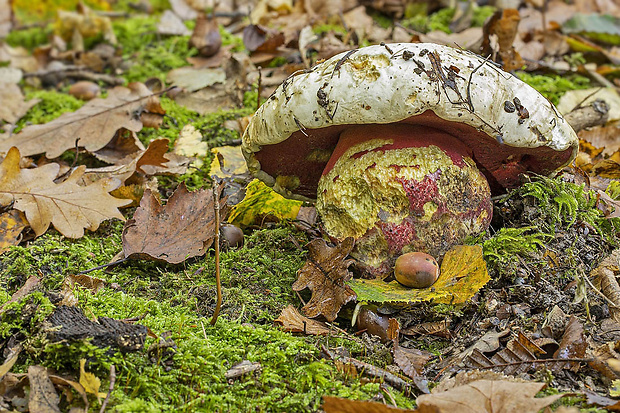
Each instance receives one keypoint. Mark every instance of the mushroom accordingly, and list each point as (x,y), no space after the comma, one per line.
(402,145)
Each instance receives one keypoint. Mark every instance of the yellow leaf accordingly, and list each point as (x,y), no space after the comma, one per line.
(89,381)
(190,144)
(463,273)
(228,161)
(12,224)
(262,203)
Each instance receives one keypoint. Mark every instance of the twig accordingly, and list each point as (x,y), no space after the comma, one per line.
(218,306)
(112,380)
(258,87)
(99,267)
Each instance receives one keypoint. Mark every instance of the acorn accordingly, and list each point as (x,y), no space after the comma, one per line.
(416,270)
(84,90)
(232,236)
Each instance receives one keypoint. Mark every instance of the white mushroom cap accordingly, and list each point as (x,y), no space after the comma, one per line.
(507,125)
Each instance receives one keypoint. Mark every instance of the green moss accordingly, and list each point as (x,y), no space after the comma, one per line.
(25,314)
(481,14)
(29,38)
(177,299)
(553,87)
(229,39)
(508,244)
(441,19)
(52,105)
(321,29)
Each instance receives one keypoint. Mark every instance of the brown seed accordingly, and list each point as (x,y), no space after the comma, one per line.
(232,236)
(416,270)
(84,90)
(374,323)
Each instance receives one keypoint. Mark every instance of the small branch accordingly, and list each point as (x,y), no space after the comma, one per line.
(112,380)
(99,267)
(218,306)
(259,87)
(594,114)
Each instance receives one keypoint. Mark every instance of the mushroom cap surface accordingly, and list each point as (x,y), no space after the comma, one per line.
(508,127)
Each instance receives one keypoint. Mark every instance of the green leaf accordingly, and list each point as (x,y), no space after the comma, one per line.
(463,273)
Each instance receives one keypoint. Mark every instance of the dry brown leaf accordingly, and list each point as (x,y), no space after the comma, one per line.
(206,36)
(487,396)
(261,39)
(607,403)
(339,405)
(31,285)
(68,206)
(13,105)
(604,278)
(573,344)
(128,166)
(95,124)
(182,229)
(12,223)
(6,21)
(503,24)
(411,360)
(435,328)
(171,24)
(43,397)
(292,321)
(325,274)
(124,143)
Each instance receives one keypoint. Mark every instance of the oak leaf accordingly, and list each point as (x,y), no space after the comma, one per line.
(94,124)
(487,396)
(12,223)
(13,104)
(67,205)
(292,321)
(325,273)
(43,396)
(182,229)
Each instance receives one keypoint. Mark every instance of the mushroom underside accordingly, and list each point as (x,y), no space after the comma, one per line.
(297,163)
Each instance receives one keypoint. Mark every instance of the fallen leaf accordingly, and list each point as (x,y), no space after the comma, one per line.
(583,97)
(487,396)
(10,360)
(75,385)
(94,124)
(598,27)
(190,144)
(31,285)
(6,22)
(292,321)
(261,39)
(125,143)
(611,405)
(325,273)
(182,229)
(573,344)
(411,360)
(13,104)
(206,36)
(192,79)
(340,405)
(503,24)
(68,206)
(262,203)
(242,368)
(171,24)
(89,381)
(84,23)
(463,273)
(604,278)
(12,224)
(43,397)
(228,162)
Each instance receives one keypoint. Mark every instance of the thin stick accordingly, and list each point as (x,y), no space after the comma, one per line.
(218,306)
(100,267)
(112,380)
(259,87)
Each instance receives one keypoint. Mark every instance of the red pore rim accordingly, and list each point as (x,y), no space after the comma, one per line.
(305,155)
